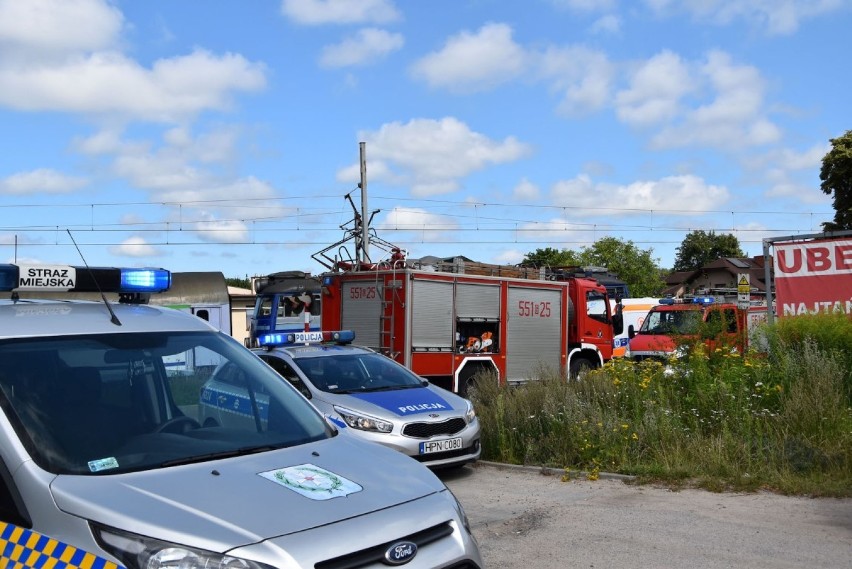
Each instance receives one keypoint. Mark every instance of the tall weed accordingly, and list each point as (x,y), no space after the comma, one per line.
(719,420)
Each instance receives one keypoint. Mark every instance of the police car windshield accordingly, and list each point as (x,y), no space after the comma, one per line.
(356,373)
(104,404)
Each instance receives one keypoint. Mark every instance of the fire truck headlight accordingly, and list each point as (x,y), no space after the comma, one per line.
(364,422)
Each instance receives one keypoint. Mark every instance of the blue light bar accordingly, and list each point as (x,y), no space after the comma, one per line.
(145,280)
(294,338)
(8,277)
(704,300)
(667,301)
(66,278)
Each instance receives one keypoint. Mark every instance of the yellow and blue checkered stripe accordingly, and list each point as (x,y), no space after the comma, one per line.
(21,548)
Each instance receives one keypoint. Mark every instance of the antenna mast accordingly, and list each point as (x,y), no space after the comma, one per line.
(365,228)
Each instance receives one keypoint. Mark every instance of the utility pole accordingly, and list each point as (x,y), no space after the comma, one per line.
(365,235)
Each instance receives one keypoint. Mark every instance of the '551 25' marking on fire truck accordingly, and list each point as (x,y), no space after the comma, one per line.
(533,309)
(366,292)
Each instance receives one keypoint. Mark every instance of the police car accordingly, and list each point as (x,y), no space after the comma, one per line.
(376,398)
(107,462)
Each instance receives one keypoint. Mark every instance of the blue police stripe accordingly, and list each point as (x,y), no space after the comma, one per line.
(233,403)
(404,402)
(26,549)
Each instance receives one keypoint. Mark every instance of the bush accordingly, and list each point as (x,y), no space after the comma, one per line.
(718,420)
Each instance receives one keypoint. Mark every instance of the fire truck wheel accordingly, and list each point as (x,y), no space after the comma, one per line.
(579,368)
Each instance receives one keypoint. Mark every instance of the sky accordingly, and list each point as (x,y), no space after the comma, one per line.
(226,136)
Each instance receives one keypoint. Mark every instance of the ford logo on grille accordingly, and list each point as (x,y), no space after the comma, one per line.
(400,552)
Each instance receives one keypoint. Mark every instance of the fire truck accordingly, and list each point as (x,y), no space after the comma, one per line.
(673,321)
(451,324)
(451,321)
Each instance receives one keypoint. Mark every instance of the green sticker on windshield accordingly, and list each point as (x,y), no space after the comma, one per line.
(103,464)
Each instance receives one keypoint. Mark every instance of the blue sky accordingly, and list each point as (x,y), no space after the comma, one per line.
(196,135)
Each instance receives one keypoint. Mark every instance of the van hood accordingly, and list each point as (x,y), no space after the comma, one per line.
(228,503)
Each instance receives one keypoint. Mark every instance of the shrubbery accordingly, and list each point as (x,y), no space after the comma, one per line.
(781,420)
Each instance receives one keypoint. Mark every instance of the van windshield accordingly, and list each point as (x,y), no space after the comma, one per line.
(105,404)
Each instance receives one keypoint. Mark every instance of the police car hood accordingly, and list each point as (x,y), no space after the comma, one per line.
(414,402)
(223,504)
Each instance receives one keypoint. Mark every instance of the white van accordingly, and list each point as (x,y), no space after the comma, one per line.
(104,464)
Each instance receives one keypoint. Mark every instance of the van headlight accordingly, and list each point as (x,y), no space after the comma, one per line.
(460,511)
(140,552)
(363,422)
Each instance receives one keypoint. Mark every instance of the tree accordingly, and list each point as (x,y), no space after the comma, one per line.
(550,257)
(632,265)
(238,282)
(836,176)
(700,247)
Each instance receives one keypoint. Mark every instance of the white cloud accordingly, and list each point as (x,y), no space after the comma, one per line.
(365,47)
(655,90)
(41,181)
(675,195)
(427,226)
(526,191)
(135,247)
(318,12)
(432,155)
(408,219)
(472,62)
(609,24)
(585,5)
(736,116)
(555,230)
(510,257)
(108,83)
(215,230)
(376,170)
(789,173)
(583,75)
(777,17)
(39,29)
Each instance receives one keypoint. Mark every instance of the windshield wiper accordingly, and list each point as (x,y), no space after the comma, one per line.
(217,455)
(393,387)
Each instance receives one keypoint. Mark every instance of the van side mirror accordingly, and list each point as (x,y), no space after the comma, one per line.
(631,332)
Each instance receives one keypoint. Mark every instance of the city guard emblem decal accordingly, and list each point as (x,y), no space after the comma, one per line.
(312,482)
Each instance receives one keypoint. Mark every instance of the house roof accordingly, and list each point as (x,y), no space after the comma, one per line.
(753,266)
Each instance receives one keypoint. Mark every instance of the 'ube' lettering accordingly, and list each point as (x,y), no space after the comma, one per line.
(815,259)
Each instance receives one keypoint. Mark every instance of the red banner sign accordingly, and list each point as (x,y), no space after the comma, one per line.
(813,277)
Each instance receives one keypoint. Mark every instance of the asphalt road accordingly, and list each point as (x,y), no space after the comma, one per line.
(524,519)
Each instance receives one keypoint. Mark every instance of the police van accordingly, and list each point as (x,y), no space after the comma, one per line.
(105,464)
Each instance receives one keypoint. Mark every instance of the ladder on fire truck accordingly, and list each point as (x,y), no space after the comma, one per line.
(390,294)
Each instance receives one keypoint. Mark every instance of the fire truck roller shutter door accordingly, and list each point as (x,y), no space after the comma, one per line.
(432,302)
(534,331)
(362,312)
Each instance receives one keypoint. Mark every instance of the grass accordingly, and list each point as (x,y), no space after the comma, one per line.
(780,420)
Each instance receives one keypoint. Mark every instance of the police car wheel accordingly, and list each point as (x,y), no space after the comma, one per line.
(179,424)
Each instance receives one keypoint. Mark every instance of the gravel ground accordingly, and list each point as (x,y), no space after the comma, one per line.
(526,518)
